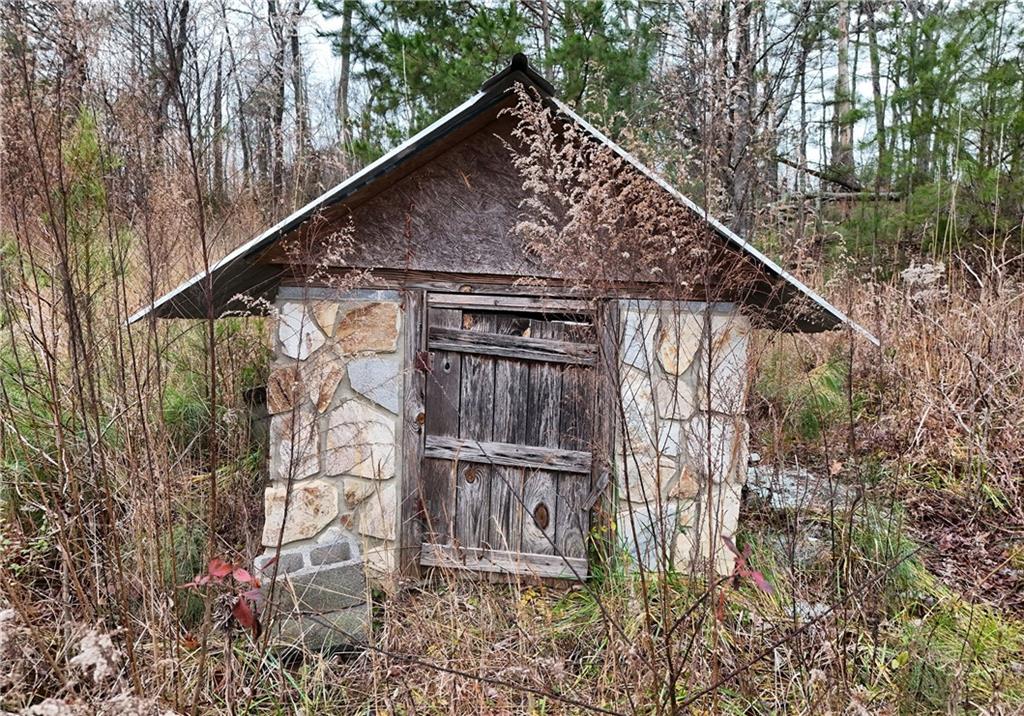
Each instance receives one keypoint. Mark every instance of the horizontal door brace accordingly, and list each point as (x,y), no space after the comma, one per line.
(507,454)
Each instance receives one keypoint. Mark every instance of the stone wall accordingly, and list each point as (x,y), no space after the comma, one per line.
(682,453)
(333,394)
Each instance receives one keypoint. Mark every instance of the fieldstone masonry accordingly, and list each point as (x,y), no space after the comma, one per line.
(682,453)
(334,392)
(331,506)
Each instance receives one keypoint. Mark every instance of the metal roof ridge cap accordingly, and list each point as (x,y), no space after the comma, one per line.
(519,63)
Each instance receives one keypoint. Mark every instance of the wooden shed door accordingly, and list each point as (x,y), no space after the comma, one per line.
(509,402)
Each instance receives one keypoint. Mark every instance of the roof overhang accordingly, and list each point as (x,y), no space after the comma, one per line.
(214,292)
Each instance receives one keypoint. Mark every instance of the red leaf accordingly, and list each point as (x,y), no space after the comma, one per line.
(253,595)
(763,584)
(242,613)
(218,568)
(241,575)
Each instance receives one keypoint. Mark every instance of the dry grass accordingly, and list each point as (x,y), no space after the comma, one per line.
(106,506)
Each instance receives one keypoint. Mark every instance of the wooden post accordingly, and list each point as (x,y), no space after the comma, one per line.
(409,538)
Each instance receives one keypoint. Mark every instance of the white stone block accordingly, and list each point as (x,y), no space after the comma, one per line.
(670,438)
(357,490)
(676,398)
(728,359)
(311,507)
(326,312)
(360,441)
(726,445)
(636,394)
(639,475)
(297,331)
(378,515)
(679,339)
(295,438)
(684,484)
(376,377)
(640,328)
(646,532)
(368,328)
(703,538)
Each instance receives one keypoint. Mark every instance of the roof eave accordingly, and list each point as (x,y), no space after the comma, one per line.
(230,268)
(480,102)
(723,230)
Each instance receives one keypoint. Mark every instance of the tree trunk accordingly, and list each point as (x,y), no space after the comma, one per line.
(882,171)
(244,140)
(741,163)
(545,28)
(303,170)
(277,110)
(806,42)
(345,50)
(218,131)
(173,34)
(842,127)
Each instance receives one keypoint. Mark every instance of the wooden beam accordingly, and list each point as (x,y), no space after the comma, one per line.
(506,346)
(507,454)
(517,304)
(487,284)
(604,541)
(414,396)
(497,561)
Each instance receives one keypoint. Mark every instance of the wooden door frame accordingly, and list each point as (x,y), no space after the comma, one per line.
(414,308)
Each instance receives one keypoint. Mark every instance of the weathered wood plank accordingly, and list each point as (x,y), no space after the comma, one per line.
(503,562)
(487,452)
(539,494)
(479,283)
(573,523)
(505,525)
(444,380)
(442,404)
(520,347)
(518,454)
(473,487)
(515,304)
(413,407)
(605,431)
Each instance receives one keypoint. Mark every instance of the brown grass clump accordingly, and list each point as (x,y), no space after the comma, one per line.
(128,461)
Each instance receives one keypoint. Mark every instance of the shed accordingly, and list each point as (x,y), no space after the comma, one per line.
(441,399)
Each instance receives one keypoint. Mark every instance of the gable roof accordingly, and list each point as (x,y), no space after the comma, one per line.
(239,272)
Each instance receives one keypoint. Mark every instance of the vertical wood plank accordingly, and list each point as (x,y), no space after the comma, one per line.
(605,429)
(437,477)
(539,507)
(473,483)
(413,412)
(510,421)
(573,523)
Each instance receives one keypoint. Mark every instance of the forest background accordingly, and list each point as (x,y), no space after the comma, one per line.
(874,148)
